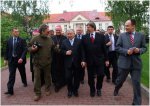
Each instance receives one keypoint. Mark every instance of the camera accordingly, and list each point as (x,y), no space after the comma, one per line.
(37,45)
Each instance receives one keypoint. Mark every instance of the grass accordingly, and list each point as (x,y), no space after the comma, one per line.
(145,70)
(2,62)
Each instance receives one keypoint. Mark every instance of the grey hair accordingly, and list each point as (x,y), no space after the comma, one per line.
(70,30)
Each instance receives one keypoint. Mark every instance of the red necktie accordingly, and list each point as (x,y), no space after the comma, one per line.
(92,38)
(131,39)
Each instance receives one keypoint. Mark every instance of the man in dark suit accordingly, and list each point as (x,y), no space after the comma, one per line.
(96,57)
(130,46)
(16,58)
(58,70)
(72,50)
(79,34)
(112,54)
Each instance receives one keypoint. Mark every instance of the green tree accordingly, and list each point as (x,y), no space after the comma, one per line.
(120,11)
(29,13)
(8,24)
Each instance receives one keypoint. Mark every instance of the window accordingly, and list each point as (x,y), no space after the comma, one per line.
(106,25)
(65,28)
(100,25)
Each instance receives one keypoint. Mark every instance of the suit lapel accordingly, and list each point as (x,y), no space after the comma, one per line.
(135,38)
(128,38)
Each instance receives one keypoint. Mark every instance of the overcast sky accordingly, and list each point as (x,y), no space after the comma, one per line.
(57,6)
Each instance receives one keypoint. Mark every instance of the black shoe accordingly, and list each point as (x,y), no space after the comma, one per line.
(25,85)
(56,89)
(82,82)
(116,92)
(114,82)
(108,80)
(8,93)
(133,104)
(92,94)
(99,93)
(76,94)
(69,94)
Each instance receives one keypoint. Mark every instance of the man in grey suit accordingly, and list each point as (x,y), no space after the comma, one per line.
(130,46)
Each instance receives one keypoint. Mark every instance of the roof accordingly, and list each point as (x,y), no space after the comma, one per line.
(68,16)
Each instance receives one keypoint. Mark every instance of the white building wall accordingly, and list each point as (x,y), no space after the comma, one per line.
(72,25)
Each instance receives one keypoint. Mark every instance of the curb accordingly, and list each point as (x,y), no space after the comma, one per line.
(144,89)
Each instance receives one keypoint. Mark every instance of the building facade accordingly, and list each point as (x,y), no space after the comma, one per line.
(80,18)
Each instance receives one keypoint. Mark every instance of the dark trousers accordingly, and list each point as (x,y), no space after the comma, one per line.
(58,75)
(72,78)
(98,73)
(135,76)
(112,61)
(82,73)
(12,74)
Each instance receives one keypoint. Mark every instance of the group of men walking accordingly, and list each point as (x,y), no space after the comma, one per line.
(62,59)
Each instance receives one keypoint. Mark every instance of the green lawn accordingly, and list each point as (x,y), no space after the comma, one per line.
(145,71)
(2,62)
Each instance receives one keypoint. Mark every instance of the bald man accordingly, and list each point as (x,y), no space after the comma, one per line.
(130,46)
(58,70)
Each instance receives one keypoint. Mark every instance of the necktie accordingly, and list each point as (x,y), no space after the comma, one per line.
(131,39)
(92,38)
(79,36)
(14,47)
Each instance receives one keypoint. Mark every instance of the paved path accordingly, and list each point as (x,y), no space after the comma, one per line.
(24,96)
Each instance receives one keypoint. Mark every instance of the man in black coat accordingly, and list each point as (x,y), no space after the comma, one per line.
(58,70)
(72,50)
(112,54)
(79,34)
(16,58)
(96,57)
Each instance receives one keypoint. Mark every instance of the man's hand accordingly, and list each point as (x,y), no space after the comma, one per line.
(69,52)
(136,50)
(109,43)
(83,64)
(107,63)
(5,62)
(34,48)
(130,52)
(20,61)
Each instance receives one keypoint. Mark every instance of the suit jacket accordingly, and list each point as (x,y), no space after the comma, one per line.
(95,53)
(21,49)
(77,55)
(123,44)
(107,39)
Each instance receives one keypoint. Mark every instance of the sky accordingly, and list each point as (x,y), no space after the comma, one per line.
(58,6)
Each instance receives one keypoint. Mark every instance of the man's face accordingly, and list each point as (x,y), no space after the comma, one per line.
(58,31)
(46,32)
(79,31)
(90,29)
(70,35)
(15,32)
(129,27)
(110,30)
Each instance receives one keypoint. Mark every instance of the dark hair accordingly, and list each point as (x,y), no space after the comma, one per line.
(133,22)
(110,27)
(43,28)
(92,24)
